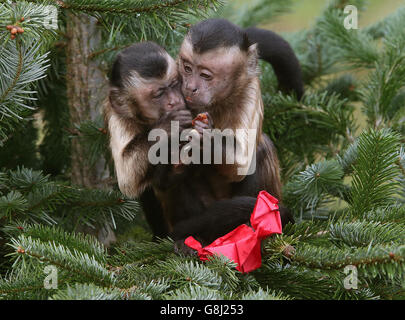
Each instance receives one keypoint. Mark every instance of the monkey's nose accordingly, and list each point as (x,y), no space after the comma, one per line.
(191,89)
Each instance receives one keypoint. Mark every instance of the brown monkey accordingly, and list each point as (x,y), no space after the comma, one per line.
(144,95)
(219,69)
(218,62)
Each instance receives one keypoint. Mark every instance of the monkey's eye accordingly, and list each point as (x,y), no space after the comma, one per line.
(205,76)
(159,94)
(188,69)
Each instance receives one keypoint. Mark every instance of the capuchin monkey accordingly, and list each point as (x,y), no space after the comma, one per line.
(144,95)
(218,63)
(219,75)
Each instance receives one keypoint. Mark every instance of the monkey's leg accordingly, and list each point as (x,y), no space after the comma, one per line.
(220,218)
(154,214)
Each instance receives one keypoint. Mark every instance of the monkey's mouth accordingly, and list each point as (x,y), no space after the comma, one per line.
(195,105)
(193,101)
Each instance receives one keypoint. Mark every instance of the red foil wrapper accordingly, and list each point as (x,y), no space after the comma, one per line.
(242,245)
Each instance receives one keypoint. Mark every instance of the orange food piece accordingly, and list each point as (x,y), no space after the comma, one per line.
(200,117)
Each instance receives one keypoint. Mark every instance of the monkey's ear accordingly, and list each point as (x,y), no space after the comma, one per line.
(253,59)
(119,103)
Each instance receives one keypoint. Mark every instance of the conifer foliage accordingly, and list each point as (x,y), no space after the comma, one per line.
(343,180)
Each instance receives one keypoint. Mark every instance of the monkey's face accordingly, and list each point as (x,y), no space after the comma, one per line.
(149,99)
(208,78)
(158,97)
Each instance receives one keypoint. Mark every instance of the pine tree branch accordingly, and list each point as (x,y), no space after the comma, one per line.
(401,160)
(21,65)
(374,172)
(82,242)
(75,262)
(16,76)
(335,259)
(309,187)
(258,11)
(102,51)
(21,289)
(54,195)
(294,281)
(353,46)
(17,286)
(120,7)
(364,233)
(392,213)
(86,292)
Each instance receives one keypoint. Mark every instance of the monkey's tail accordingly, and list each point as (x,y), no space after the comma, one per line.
(278,52)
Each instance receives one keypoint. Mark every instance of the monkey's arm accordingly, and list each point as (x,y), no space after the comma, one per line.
(130,153)
(247,129)
(154,213)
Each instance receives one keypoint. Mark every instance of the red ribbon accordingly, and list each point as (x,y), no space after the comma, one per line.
(242,244)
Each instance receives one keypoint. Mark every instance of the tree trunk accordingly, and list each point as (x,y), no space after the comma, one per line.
(86,89)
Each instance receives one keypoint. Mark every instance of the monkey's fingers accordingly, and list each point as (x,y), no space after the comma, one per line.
(180,115)
(184,112)
(201,126)
(181,249)
(210,121)
(185,123)
(184,119)
(200,131)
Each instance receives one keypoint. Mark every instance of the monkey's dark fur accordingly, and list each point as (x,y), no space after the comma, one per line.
(147,60)
(215,33)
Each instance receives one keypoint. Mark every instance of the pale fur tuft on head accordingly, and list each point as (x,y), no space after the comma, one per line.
(253,61)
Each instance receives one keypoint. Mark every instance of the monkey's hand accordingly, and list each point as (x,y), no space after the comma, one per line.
(182,249)
(183,117)
(202,121)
